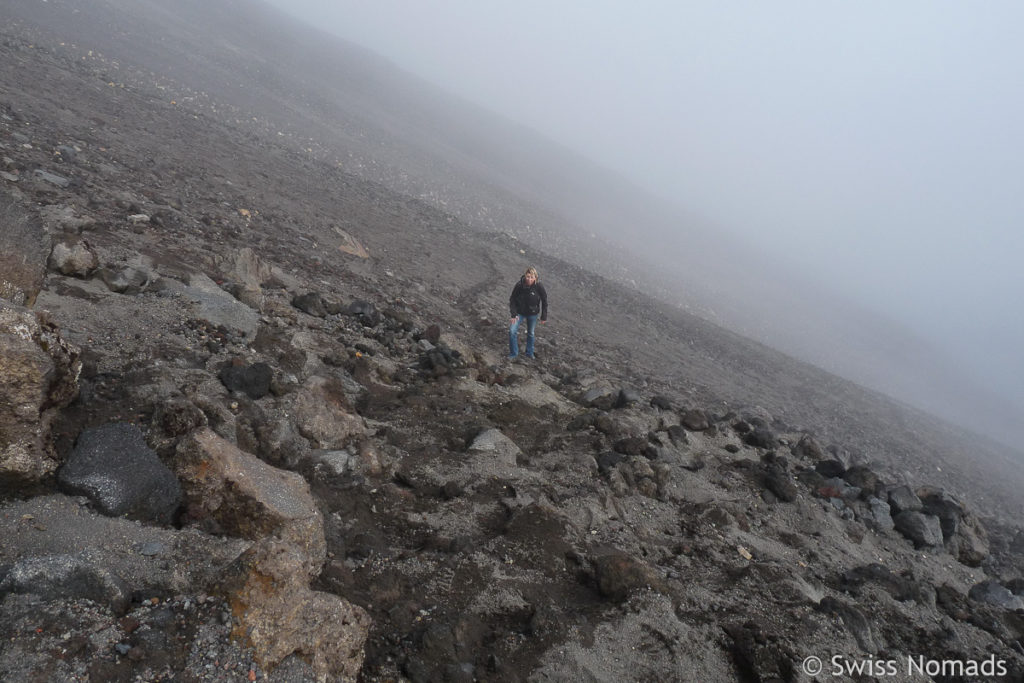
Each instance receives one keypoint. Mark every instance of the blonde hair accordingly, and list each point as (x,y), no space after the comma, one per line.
(532,271)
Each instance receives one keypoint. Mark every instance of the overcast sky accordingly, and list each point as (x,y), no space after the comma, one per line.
(879,143)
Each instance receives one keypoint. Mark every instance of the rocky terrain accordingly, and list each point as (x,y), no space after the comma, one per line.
(257,423)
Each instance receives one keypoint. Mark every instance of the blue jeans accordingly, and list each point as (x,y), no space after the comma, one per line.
(513,334)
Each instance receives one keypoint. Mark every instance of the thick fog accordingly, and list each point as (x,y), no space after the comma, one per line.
(876,145)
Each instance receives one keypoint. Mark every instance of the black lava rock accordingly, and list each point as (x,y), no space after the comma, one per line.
(114,468)
(252,380)
(365,312)
(311,303)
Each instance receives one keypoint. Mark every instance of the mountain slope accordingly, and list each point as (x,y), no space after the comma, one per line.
(354,110)
(655,484)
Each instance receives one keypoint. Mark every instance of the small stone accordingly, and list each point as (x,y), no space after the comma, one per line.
(52,178)
(152,549)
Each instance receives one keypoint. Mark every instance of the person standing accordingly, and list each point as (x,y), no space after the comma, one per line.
(529,301)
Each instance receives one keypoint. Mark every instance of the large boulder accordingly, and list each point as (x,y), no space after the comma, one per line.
(323,415)
(694,419)
(924,530)
(73,256)
(964,536)
(24,247)
(247,497)
(252,380)
(970,544)
(311,303)
(778,480)
(268,587)
(879,515)
(218,308)
(935,501)
(277,613)
(760,437)
(993,593)
(38,375)
(249,270)
(113,467)
(902,499)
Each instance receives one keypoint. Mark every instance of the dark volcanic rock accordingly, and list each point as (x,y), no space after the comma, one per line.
(923,530)
(606,424)
(902,499)
(632,445)
(809,449)
(778,481)
(760,437)
(602,397)
(581,421)
(964,536)
(939,503)
(829,468)
(252,380)
(741,427)
(863,478)
(993,593)
(365,312)
(879,515)
(311,303)
(695,420)
(678,435)
(855,621)
(114,468)
(758,657)
(333,307)
(627,397)
(661,403)
(618,575)
(66,154)
(440,360)
(897,586)
(432,334)
(609,459)
(179,417)
(838,488)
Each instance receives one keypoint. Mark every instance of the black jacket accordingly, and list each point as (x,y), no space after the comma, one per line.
(528,300)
